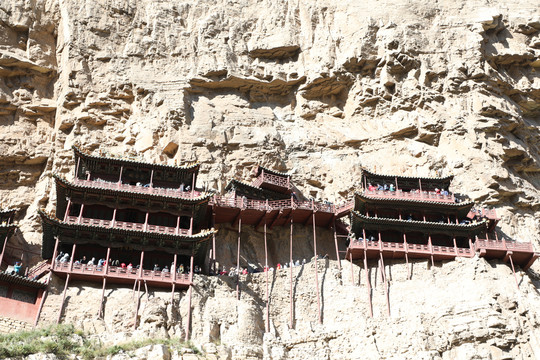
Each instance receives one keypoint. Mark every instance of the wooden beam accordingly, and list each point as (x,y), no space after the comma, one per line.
(368,283)
(266,270)
(261,220)
(509,254)
(238,260)
(335,242)
(291,300)
(63,300)
(137,303)
(316,268)
(100,314)
(188,324)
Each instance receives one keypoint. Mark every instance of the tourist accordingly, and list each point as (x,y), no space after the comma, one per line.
(303,261)
(182,187)
(297,262)
(392,187)
(17,268)
(379,187)
(130,267)
(278,266)
(223,271)
(244,271)
(101,262)
(156,267)
(165,269)
(385,187)
(59,257)
(92,262)
(123,265)
(371,187)
(181,269)
(294,196)
(65,258)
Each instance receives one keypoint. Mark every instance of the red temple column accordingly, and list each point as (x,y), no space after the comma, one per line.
(336,244)
(266,270)
(188,324)
(238,259)
(80,214)
(291,314)
(68,208)
(316,268)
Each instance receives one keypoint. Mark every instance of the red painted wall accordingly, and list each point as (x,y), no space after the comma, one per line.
(19,310)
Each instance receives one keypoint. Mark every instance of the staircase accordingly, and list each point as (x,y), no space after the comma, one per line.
(39,269)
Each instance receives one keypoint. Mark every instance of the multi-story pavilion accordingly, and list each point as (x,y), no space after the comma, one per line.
(126,222)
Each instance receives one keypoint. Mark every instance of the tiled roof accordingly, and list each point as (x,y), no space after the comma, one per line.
(20,280)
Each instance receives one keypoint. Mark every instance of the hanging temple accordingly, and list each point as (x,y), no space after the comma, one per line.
(125,222)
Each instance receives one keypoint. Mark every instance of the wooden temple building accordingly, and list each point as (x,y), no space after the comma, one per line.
(21,293)
(399,217)
(127,222)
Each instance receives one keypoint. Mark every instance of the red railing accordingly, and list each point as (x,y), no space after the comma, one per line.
(504,245)
(124,273)
(127,225)
(280,181)
(242,203)
(102,184)
(411,248)
(400,194)
(489,213)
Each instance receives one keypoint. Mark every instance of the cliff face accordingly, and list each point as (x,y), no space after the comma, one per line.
(315,87)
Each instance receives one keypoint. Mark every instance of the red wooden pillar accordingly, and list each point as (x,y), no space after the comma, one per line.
(151,184)
(120,176)
(177,225)
(406,247)
(80,214)
(141,266)
(68,208)
(368,283)
(63,300)
(316,268)
(352,268)
(336,244)
(113,221)
(4,249)
(266,270)
(431,250)
(53,261)
(188,324)
(238,259)
(214,243)
(291,314)
(138,282)
(146,221)
(173,278)
(77,168)
(72,256)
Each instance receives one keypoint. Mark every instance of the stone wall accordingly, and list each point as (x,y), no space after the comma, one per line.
(8,325)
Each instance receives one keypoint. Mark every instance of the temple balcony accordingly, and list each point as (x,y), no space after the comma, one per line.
(408,195)
(127,225)
(270,205)
(395,250)
(121,275)
(272,182)
(520,253)
(102,184)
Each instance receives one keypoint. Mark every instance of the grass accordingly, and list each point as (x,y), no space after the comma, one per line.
(64,340)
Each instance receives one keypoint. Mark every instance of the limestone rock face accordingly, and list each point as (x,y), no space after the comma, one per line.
(318,88)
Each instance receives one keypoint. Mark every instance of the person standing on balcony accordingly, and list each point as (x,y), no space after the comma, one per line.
(17,268)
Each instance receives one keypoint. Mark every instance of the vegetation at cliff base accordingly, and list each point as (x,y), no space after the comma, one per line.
(65,340)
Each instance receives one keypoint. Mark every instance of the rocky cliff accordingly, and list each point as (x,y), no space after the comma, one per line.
(318,88)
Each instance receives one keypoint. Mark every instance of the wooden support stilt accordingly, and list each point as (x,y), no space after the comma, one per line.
(63,300)
(386,292)
(173,278)
(214,244)
(316,268)
(43,298)
(137,303)
(352,269)
(513,269)
(431,250)
(134,287)
(55,254)
(3,249)
(291,301)
(406,246)
(266,270)
(238,260)
(368,284)
(188,323)
(100,314)
(335,242)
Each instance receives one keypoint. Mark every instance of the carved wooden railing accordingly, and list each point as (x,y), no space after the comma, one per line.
(280,181)
(119,272)
(127,225)
(504,245)
(417,195)
(411,248)
(102,184)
